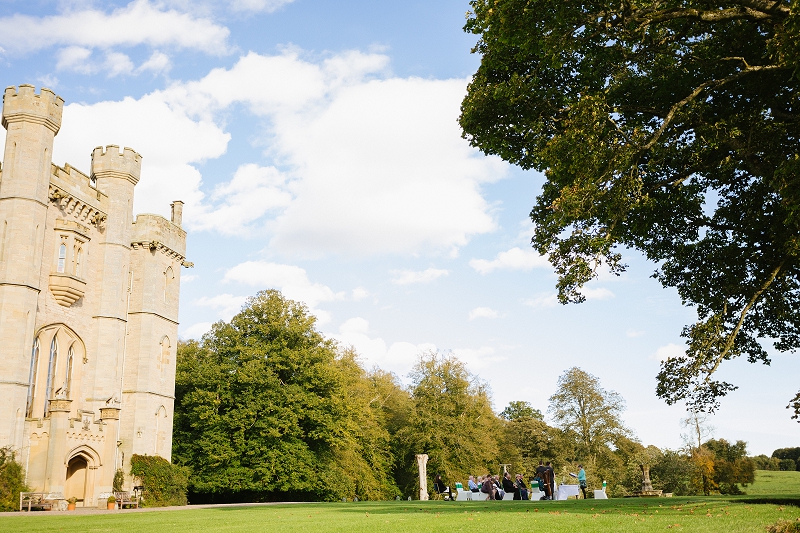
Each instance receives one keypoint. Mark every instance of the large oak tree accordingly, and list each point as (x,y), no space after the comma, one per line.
(668,126)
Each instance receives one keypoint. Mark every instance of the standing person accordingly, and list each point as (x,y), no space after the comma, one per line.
(508,486)
(582,480)
(552,472)
(522,488)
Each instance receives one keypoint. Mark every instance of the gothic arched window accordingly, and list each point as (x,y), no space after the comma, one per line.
(68,379)
(32,378)
(62,257)
(51,374)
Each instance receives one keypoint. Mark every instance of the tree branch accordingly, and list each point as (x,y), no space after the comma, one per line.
(742,315)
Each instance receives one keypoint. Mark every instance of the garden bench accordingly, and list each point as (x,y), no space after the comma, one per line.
(36,501)
(124,498)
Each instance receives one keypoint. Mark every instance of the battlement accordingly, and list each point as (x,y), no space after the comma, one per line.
(24,105)
(109,162)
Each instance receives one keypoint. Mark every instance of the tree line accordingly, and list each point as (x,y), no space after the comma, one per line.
(269,409)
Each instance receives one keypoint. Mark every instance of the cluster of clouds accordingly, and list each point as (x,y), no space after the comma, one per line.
(378,158)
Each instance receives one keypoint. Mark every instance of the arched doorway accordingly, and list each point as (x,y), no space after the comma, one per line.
(77,471)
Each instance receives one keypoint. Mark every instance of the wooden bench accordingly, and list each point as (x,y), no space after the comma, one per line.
(124,498)
(36,501)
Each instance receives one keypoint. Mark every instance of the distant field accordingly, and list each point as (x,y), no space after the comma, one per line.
(631,515)
(774,483)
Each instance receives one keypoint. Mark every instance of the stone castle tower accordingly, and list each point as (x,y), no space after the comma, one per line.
(88,309)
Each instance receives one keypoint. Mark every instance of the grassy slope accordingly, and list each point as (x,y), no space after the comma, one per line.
(774,483)
(714,514)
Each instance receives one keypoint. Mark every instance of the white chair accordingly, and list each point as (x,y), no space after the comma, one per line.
(535,493)
(508,496)
(464,496)
(600,495)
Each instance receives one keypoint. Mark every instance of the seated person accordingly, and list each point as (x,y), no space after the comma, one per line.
(522,490)
(499,493)
(441,488)
(488,488)
(472,485)
(509,487)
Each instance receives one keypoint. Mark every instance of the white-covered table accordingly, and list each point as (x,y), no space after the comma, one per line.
(565,491)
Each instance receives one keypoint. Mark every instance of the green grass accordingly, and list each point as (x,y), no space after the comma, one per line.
(698,514)
(774,483)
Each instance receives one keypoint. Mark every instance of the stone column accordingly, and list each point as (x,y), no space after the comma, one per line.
(56,472)
(109,422)
(422,461)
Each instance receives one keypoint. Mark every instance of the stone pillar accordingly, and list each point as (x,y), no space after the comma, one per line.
(32,121)
(422,462)
(56,471)
(104,478)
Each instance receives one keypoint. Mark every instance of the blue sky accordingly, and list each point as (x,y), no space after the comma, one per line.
(316,147)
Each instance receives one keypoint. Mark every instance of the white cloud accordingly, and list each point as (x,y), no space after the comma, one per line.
(513,259)
(258,5)
(74,58)
(291,280)
(483,312)
(543,300)
(188,278)
(670,351)
(632,333)
(117,63)
(253,191)
(399,357)
(478,358)
(157,63)
(359,293)
(380,160)
(196,331)
(227,305)
(407,277)
(140,22)
(600,293)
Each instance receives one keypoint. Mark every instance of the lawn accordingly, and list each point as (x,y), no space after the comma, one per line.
(774,483)
(697,514)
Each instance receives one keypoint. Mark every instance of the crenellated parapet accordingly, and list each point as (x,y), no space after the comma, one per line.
(24,105)
(110,163)
(72,192)
(158,234)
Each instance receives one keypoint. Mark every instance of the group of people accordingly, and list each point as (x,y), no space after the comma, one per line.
(496,487)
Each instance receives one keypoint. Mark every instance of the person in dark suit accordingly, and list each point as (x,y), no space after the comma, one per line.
(509,487)
(441,488)
(522,490)
(552,479)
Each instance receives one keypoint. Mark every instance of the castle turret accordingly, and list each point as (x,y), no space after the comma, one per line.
(116,175)
(32,121)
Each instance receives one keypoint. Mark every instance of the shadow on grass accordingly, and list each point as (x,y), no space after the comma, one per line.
(773,500)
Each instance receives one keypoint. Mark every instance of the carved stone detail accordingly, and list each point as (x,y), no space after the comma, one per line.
(66,289)
(77,208)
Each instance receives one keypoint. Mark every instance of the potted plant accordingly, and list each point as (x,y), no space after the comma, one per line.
(71,503)
(112,503)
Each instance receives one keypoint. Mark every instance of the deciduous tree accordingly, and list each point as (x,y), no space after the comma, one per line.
(669,127)
(581,405)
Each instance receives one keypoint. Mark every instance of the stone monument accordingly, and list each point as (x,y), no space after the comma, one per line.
(422,461)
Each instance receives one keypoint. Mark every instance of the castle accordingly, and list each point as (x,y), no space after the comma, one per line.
(88,309)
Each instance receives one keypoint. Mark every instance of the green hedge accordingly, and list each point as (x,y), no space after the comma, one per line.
(164,483)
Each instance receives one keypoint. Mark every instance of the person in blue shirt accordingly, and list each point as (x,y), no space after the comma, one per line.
(472,485)
(582,480)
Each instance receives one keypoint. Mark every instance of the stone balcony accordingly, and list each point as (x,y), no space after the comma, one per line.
(66,289)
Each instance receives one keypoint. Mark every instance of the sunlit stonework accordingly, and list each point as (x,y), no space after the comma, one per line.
(88,309)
